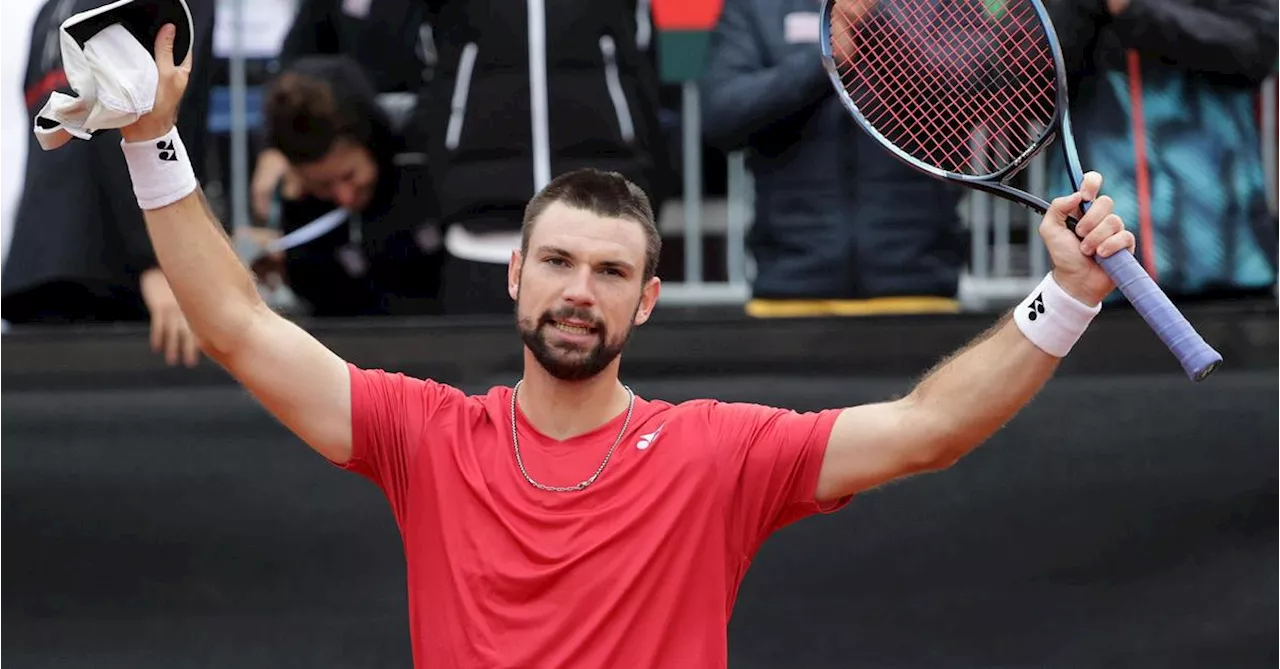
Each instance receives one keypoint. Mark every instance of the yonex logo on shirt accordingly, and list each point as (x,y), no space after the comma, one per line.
(646,440)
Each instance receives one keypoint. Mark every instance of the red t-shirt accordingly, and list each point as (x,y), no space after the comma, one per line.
(639,570)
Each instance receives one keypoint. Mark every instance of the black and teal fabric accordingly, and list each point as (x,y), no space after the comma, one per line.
(1166,92)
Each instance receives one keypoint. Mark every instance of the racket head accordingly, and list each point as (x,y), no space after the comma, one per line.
(885,90)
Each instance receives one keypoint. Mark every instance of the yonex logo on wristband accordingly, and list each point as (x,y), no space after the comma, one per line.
(1055,331)
(159,183)
(166,151)
(1036,307)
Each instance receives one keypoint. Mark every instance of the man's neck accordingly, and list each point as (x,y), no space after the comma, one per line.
(566,409)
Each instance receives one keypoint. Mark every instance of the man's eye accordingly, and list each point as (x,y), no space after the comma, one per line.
(557,262)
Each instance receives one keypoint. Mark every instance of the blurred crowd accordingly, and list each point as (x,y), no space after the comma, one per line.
(395,144)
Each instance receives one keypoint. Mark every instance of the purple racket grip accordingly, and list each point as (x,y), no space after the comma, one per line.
(1197,358)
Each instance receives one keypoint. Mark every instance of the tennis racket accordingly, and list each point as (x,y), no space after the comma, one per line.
(968,91)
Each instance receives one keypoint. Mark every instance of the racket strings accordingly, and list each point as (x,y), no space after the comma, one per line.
(964,85)
(914,74)
(977,106)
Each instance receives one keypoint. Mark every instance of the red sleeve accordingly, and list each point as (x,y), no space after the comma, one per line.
(771,459)
(388,415)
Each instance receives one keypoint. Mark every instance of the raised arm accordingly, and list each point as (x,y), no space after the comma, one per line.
(743,93)
(975,392)
(303,384)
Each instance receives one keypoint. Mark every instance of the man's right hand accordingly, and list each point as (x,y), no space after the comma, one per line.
(172,83)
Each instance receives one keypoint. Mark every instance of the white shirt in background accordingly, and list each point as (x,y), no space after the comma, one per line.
(15,127)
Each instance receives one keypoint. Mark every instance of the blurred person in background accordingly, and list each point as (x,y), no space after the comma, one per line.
(1163,99)
(841,227)
(381,256)
(514,101)
(388,38)
(80,252)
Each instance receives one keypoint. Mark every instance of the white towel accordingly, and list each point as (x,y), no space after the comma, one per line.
(112,73)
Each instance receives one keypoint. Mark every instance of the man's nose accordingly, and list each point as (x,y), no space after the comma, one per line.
(579,290)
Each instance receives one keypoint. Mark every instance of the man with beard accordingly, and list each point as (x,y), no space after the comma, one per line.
(566,522)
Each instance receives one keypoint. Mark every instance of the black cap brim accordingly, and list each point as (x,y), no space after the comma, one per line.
(142,18)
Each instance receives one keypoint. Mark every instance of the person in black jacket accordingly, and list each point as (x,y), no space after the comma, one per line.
(840,225)
(523,91)
(386,37)
(80,251)
(1163,100)
(383,256)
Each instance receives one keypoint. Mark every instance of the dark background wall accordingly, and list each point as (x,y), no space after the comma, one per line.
(1124,519)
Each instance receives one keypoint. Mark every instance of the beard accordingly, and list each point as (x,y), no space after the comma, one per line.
(566,361)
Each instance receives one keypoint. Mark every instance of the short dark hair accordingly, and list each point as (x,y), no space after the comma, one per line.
(602,193)
(317,101)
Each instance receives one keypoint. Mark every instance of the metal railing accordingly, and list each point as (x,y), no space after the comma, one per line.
(1000,270)
(1002,266)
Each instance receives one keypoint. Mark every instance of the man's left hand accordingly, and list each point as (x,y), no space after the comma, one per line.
(1098,232)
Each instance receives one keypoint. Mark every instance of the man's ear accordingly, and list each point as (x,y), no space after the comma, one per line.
(513,274)
(648,299)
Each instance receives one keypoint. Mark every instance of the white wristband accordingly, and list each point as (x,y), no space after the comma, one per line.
(160,169)
(1052,319)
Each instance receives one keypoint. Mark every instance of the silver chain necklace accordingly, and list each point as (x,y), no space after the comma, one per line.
(515,441)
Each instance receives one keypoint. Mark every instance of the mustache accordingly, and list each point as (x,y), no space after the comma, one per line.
(573,314)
